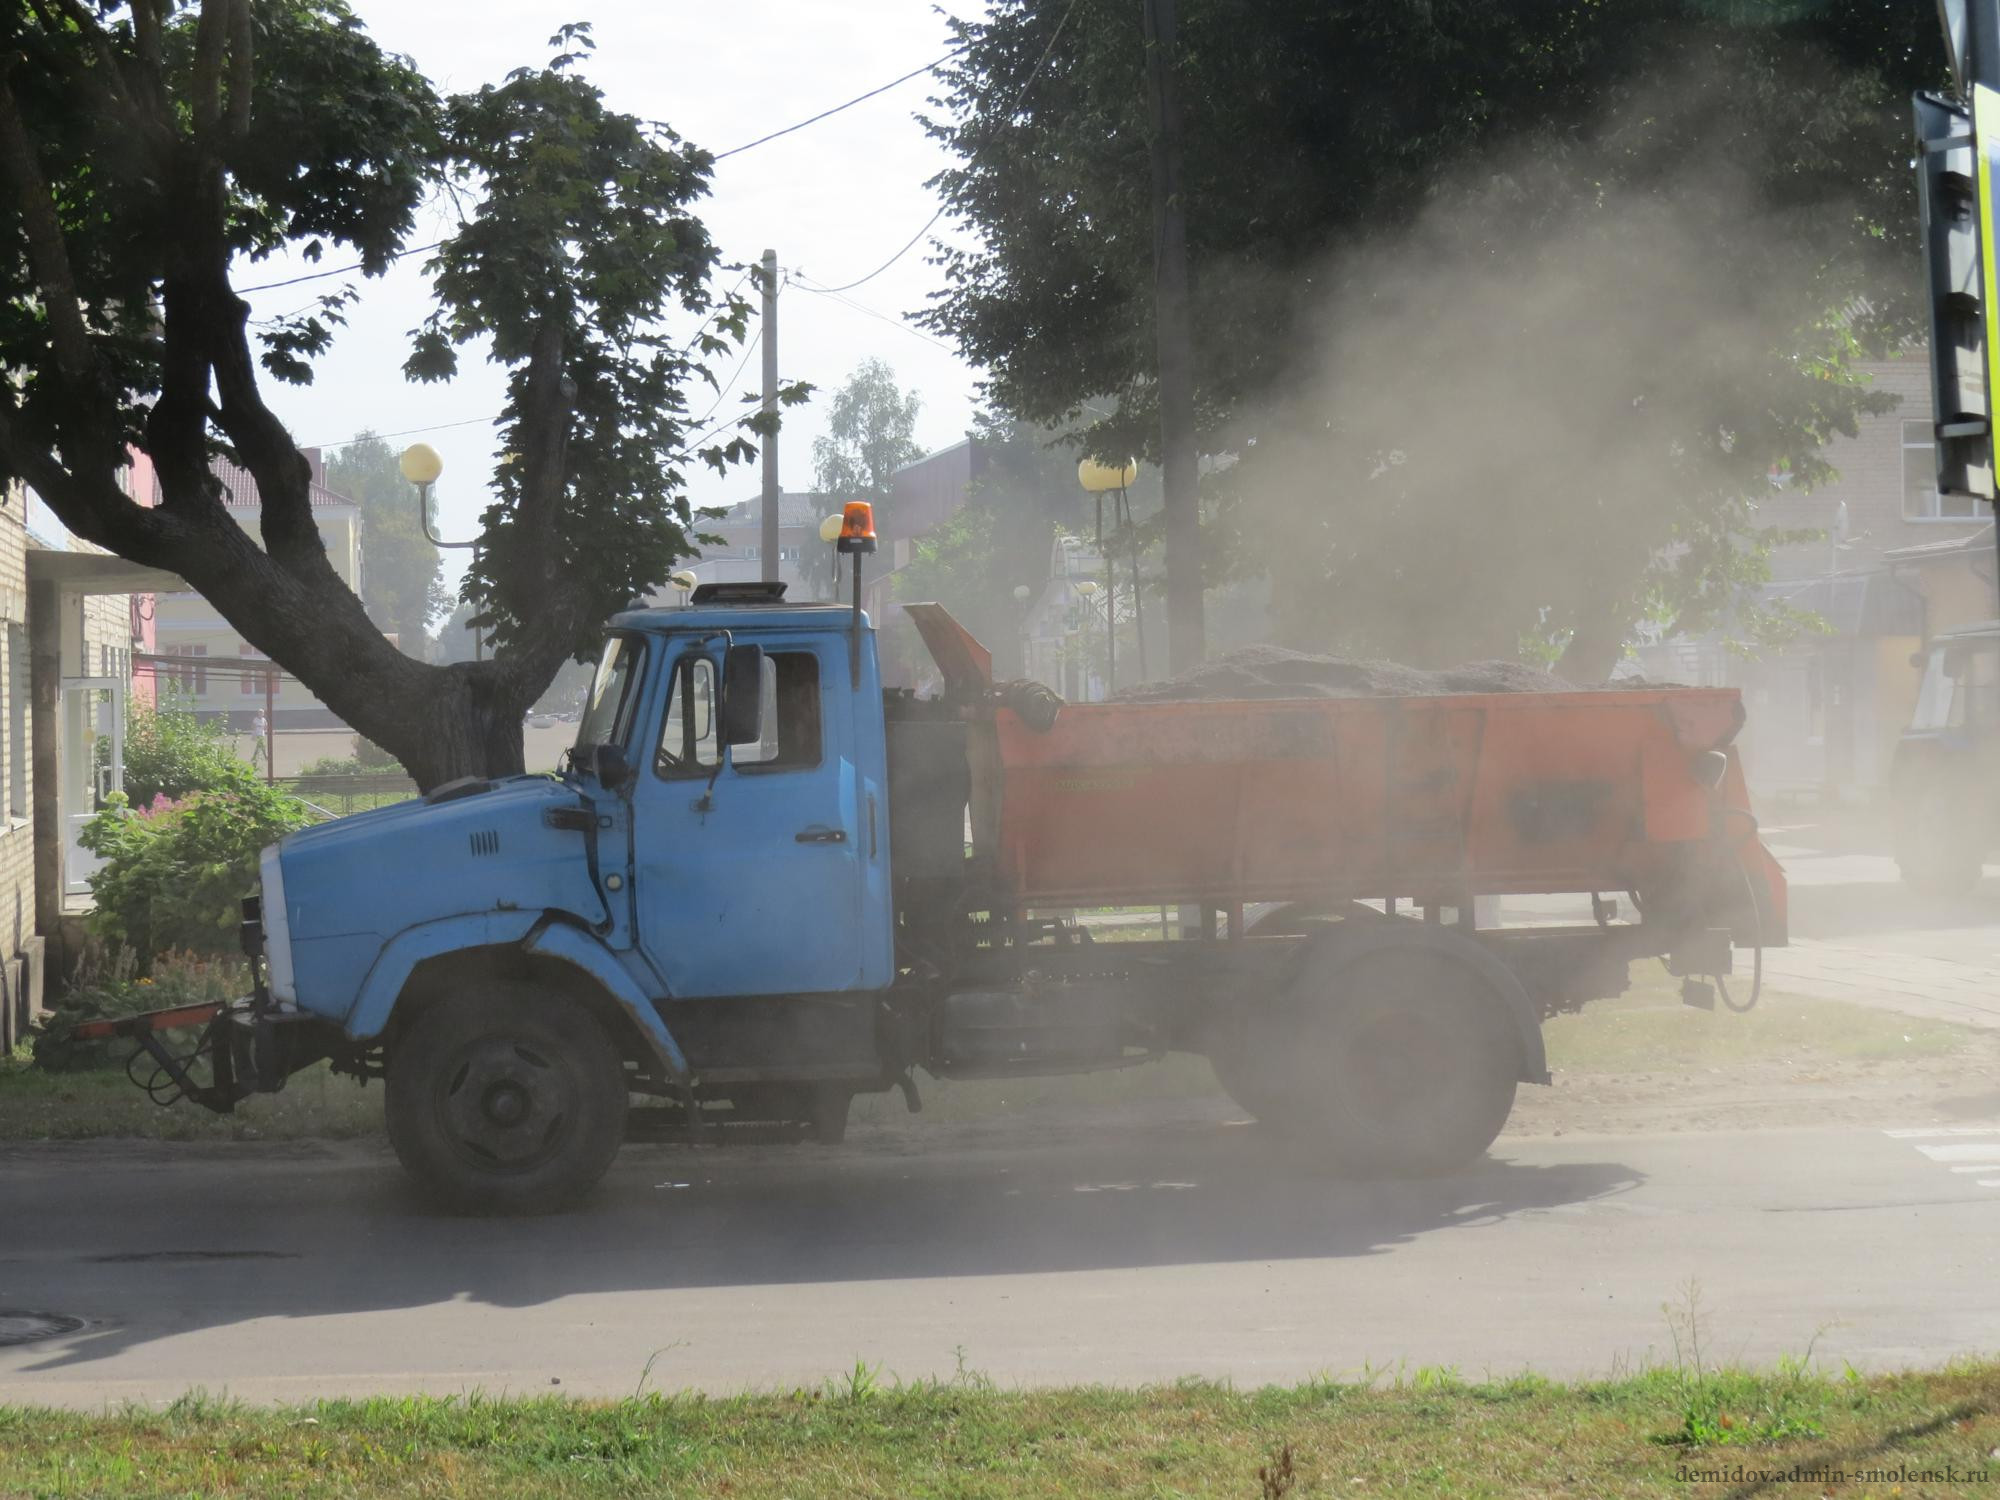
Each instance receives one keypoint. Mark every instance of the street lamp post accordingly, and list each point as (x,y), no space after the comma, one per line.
(421,465)
(1022,594)
(1099,480)
(1088,589)
(829,532)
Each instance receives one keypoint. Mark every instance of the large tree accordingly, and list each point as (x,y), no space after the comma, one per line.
(152,153)
(402,581)
(1505,310)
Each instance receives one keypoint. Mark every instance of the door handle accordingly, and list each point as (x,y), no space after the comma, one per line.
(821,836)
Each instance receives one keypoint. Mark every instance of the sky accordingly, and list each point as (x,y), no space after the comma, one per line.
(834,200)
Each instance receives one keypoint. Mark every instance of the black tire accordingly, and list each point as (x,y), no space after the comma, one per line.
(506,1099)
(1401,1062)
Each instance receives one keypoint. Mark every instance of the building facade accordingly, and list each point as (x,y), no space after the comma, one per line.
(1894,563)
(205,664)
(71,623)
(739,556)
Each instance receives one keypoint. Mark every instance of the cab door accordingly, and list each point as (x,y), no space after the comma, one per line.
(748,867)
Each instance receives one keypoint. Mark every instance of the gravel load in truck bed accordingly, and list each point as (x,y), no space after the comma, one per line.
(1277,672)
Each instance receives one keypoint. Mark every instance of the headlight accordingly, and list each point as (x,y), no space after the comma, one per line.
(277,928)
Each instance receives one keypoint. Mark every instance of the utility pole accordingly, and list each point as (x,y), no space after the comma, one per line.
(769,547)
(1958,178)
(1175,342)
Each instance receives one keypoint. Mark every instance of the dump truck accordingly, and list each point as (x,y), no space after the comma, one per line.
(762,885)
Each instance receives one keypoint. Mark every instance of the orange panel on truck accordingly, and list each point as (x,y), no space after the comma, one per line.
(1432,797)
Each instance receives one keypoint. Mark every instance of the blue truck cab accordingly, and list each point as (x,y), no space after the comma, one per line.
(719,833)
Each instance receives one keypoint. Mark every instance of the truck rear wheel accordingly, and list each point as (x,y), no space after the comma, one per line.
(506,1099)
(1398,1062)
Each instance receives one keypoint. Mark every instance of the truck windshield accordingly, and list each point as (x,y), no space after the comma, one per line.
(1961,688)
(614,695)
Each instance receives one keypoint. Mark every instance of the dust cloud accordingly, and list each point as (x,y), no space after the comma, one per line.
(1522,413)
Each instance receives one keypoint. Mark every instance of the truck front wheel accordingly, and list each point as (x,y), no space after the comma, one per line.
(505,1099)
(1399,1062)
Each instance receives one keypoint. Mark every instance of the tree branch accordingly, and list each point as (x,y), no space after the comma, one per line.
(94,508)
(211,41)
(242,63)
(47,253)
(146,31)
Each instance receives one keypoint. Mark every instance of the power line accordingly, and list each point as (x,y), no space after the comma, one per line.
(1012,105)
(864,280)
(403,432)
(857,99)
(880,317)
(265,286)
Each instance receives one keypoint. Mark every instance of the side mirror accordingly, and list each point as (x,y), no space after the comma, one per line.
(743,695)
(609,765)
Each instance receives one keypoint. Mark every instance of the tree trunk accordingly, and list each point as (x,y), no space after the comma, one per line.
(1595,648)
(464,728)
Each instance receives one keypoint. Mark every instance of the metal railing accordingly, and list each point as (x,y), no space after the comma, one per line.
(349,792)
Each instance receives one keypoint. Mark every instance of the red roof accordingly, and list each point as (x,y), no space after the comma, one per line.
(239,489)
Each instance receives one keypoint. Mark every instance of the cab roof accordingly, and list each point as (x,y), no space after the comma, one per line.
(740,617)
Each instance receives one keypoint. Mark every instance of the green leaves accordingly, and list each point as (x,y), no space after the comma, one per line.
(174,872)
(579,249)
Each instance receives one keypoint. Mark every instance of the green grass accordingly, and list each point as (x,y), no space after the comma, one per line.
(1427,1432)
(315,1105)
(1649,1029)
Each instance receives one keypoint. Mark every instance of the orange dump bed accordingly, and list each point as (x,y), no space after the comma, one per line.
(1423,797)
(1431,799)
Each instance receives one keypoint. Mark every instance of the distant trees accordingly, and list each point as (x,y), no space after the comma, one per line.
(1505,309)
(870,433)
(1003,537)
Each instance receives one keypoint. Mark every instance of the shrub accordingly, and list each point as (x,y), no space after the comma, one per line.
(368,759)
(170,753)
(333,765)
(107,982)
(175,871)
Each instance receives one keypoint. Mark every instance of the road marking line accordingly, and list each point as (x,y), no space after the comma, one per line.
(1985,1166)
(1989,1182)
(1941,1131)
(1984,1151)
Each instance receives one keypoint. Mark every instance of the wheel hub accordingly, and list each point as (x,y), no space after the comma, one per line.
(506,1104)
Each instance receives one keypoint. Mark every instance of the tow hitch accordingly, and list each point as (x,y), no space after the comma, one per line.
(171,1080)
(251,1045)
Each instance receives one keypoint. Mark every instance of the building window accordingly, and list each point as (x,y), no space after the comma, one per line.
(788,554)
(1921,500)
(249,680)
(17,722)
(191,674)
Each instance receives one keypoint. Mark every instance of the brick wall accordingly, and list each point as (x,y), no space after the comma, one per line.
(20,949)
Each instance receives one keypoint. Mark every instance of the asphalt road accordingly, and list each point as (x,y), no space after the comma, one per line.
(1139,1253)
